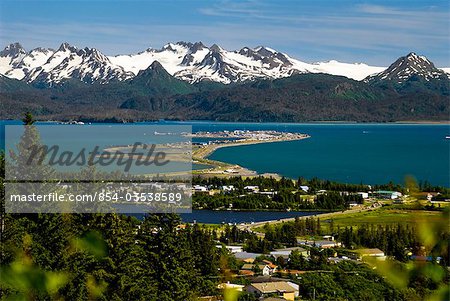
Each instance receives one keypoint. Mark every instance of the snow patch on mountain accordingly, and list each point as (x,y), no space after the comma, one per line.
(191,62)
(196,62)
(10,58)
(170,57)
(51,67)
(408,66)
(357,71)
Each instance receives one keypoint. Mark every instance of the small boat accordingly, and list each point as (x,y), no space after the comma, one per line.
(447,137)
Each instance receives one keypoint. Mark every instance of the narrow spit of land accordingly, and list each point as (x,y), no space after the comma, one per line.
(200,153)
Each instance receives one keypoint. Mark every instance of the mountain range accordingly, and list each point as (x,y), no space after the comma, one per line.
(192,81)
(191,62)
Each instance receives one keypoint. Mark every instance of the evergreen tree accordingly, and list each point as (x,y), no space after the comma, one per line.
(28,119)
(168,257)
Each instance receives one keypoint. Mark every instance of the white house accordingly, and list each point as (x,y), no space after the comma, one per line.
(230,286)
(328,237)
(323,244)
(253,189)
(286,252)
(200,188)
(336,260)
(227,188)
(232,249)
(266,270)
(304,188)
(364,195)
(269,194)
(387,194)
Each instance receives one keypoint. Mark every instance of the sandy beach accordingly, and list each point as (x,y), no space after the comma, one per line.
(200,155)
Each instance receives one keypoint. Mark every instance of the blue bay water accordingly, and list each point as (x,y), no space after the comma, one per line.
(217,217)
(352,153)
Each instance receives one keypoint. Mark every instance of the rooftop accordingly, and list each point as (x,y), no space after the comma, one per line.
(291,249)
(369,251)
(273,287)
(250,266)
(246,255)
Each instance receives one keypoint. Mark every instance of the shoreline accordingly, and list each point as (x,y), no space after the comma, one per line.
(213,147)
(424,122)
(328,122)
(270,210)
(200,156)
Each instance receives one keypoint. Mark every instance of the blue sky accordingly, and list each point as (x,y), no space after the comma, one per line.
(373,32)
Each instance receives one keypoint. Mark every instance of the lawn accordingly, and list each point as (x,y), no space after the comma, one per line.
(386,216)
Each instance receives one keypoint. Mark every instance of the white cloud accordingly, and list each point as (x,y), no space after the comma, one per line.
(368,33)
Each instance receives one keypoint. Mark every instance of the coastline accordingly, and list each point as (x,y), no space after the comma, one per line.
(109,121)
(200,156)
(424,122)
(208,150)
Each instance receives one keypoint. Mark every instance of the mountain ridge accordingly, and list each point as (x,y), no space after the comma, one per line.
(191,62)
(408,66)
(155,94)
(210,83)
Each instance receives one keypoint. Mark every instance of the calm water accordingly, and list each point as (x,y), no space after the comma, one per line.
(218,217)
(353,153)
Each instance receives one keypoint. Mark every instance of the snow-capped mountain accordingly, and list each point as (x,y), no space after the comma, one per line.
(408,66)
(191,62)
(10,58)
(49,66)
(194,62)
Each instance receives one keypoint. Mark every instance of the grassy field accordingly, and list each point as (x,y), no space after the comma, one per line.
(386,216)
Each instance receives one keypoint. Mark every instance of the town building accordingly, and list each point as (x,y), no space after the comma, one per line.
(230,286)
(253,189)
(266,269)
(387,194)
(200,189)
(246,256)
(269,194)
(323,244)
(286,252)
(227,188)
(232,249)
(364,195)
(374,252)
(304,188)
(284,289)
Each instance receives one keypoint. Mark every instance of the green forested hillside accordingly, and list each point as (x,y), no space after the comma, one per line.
(155,94)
